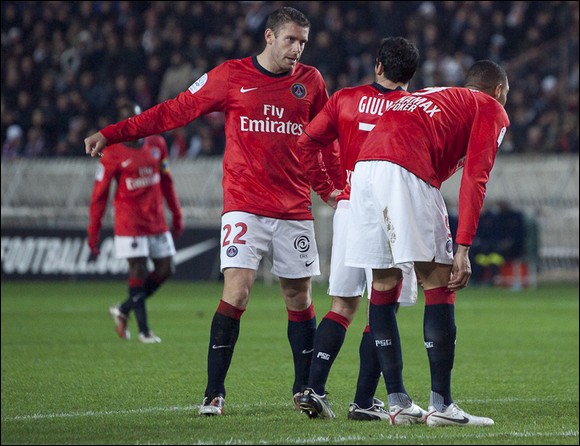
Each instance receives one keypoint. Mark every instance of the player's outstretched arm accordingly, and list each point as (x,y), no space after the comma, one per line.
(95,144)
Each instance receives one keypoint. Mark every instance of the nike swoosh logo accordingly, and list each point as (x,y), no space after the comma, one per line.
(215,347)
(464,420)
(245,90)
(414,415)
(305,352)
(126,163)
(310,263)
(185,254)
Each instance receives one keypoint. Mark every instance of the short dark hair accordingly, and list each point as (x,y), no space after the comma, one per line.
(485,75)
(400,58)
(284,15)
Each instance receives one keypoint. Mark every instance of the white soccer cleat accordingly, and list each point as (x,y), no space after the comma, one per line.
(120,320)
(454,416)
(212,406)
(403,416)
(149,338)
(374,413)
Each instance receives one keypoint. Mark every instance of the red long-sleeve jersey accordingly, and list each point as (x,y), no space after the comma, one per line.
(436,131)
(265,114)
(143,181)
(349,116)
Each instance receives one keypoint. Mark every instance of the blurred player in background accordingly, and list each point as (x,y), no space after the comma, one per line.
(143,180)
(350,115)
(268,99)
(418,143)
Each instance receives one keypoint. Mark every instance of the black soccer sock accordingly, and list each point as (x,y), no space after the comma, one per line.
(152,284)
(301,329)
(328,340)
(136,302)
(135,288)
(385,331)
(439,332)
(225,328)
(369,371)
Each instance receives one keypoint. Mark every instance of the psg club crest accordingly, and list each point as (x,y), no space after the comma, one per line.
(449,246)
(232,251)
(298,91)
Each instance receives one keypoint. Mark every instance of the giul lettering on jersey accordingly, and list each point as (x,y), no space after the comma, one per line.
(374,105)
(272,123)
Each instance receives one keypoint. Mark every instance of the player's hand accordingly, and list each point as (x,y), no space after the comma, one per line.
(332,198)
(95,144)
(177,228)
(93,242)
(461,269)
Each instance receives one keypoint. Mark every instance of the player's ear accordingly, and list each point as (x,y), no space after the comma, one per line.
(269,35)
(379,68)
(497,91)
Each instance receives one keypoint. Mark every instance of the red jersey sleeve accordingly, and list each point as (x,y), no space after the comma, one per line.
(489,127)
(176,112)
(100,196)
(317,148)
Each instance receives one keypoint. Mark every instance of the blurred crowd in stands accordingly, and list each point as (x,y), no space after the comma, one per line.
(64,64)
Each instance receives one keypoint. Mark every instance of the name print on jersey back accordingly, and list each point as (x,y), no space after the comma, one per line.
(414,101)
(374,105)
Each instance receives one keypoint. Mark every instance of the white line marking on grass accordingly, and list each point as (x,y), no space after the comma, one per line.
(395,437)
(92,413)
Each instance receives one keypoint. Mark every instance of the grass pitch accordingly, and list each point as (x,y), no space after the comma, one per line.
(68,379)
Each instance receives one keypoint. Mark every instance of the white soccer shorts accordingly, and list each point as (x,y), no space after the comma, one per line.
(396,219)
(347,281)
(289,245)
(155,246)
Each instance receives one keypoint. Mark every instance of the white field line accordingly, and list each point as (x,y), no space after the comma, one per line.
(319,439)
(91,413)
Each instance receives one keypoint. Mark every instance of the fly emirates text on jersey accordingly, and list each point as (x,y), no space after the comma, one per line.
(272,122)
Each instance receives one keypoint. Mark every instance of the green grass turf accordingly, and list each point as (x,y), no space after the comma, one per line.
(68,379)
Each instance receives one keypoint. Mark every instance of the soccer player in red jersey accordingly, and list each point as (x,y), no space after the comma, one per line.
(349,116)
(399,218)
(143,180)
(268,99)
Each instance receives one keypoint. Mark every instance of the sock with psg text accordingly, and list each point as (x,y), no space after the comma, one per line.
(385,331)
(225,328)
(369,371)
(301,329)
(439,332)
(328,340)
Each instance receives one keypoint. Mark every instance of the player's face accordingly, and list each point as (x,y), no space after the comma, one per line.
(287,45)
